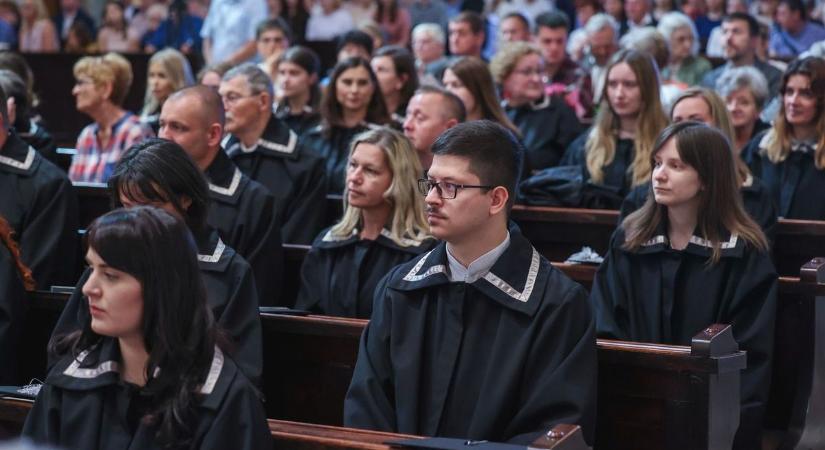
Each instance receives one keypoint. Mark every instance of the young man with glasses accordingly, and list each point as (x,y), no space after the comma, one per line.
(481,338)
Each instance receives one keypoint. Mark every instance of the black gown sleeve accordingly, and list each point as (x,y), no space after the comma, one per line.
(240,423)
(313,281)
(306,212)
(574,155)
(242,322)
(12,314)
(262,248)
(607,296)
(75,313)
(43,422)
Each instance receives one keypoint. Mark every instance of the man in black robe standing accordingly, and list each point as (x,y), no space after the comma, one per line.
(481,338)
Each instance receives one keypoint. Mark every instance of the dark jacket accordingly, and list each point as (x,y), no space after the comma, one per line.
(293,174)
(502,358)
(37,200)
(339,275)
(244,213)
(85,405)
(333,146)
(12,316)
(40,139)
(660,295)
(547,127)
(617,181)
(82,17)
(300,122)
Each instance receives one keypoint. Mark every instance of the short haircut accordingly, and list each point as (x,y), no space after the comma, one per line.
(211,104)
(433,30)
(471,18)
(494,152)
(14,87)
(453,106)
(304,57)
(220,69)
(507,57)
(675,20)
(796,6)
(518,16)
(746,77)
(257,79)
(552,20)
(647,40)
(109,68)
(601,21)
(356,37)
(274,24)
(753,24)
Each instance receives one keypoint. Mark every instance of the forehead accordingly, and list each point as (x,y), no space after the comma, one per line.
(355,72)
(453,168)
(382,61)
(460,26)
(367,153)
(513,22)
(547,32)
(692,106)
(799,81)
(668,150)
(621,71)
(180,109)
(272,32)
(236,84)
(734,24)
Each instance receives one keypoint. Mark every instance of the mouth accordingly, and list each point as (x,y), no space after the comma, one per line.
(95,311)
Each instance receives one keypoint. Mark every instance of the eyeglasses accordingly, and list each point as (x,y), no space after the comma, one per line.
(444,189)
(231,99)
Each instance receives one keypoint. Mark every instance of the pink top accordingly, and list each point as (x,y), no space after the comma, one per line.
(34,40)
(398,33)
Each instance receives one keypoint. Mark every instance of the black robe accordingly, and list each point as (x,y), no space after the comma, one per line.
(37,200)
(244,213)
(796,186)
(503,358)
(617,181)
(333,146)
(40,140)
(293,175)
(230,292)
(339,275)
(12,316)
(755,196)
(660,295)
(86,406)
(547,128)
(300,122)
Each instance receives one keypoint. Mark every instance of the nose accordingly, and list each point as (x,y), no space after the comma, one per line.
(659,174)
(90,288)
(432,197)
(408,126)
(355,176)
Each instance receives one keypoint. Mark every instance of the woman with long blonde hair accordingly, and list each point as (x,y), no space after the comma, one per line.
(37,32)
(383,225)
(169,71)
(615,153)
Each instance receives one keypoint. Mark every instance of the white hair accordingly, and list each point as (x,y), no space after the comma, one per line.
(601,21)
(429,29)
(675,20)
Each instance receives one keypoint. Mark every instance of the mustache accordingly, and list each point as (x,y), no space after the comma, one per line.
(432,210)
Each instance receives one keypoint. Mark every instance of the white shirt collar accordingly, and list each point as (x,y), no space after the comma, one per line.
(478,268)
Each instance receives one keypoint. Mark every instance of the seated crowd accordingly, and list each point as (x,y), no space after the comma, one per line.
(704,125)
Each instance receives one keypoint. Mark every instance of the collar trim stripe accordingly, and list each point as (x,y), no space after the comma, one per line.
(233,185)
(216,255)
(503,286)
(412,274)
(661,239)
(289,148)
(25,165)
(329,237)
(75,371)
(214,372)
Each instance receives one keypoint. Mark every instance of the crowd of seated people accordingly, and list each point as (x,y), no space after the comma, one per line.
(427,120)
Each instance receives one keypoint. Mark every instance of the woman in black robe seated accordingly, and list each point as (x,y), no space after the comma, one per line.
(691,257)
(383,226)
(15,280)
(790,156)
(148,368)
(352,104)
(297,106)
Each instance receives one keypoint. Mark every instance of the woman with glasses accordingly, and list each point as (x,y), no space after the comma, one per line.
(546,123)
(383,226)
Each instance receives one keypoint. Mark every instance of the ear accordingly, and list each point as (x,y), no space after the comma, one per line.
(214,134)
(265,101)
(186,202)
(11,107)
(450,123)
(107,89)
(499,196)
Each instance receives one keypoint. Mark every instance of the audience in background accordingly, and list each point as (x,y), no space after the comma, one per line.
(272,38)
(168,71)
(298,72)
(394,67)
(466,34)
(328,20)
(395,22)
(115,34)
(428,44)
(470,80)
(229,30)
(794,33)
(685,64)
(70,13)
(602,42)
(431,111)
(745,91)
(514,27)
(180,30)
(37,32)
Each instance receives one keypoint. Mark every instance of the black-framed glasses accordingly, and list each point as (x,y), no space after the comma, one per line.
(445,189)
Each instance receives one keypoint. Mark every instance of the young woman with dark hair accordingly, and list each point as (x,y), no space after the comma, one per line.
(691,257)
(15,280)
(352,104)
(394,67)
(395,22)
(147,366)
(470,79)
(298,70)
(159,173)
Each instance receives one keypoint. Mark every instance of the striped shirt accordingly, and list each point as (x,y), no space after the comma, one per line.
(95,161)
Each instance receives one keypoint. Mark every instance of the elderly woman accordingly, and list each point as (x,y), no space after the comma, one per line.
(745,91)
(546,123)
(685,64)
(101,85)
(428,44)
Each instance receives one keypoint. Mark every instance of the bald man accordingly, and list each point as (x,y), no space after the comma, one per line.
(242,209)
(430,112)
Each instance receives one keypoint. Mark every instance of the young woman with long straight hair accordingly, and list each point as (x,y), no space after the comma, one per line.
(469,78)
(298,70)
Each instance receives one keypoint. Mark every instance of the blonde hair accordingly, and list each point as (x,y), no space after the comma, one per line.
(110,68)
(40,9)
(176,68)
(408,222)
(601,142)
(507,58)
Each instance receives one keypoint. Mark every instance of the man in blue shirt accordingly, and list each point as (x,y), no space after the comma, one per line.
(8,38)
(793,33)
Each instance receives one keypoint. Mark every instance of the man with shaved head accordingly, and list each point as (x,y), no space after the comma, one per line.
(430,112)
(242,209)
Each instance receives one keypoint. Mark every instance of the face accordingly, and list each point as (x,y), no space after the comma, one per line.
(87,94)
(735,6)
(513,30)
(368,177)
(242,107)
(614,8)
(602,45)
(113,14)
(69,5)
(182,122)
(424,122)
(552,42)
(271,42)
(462,40)
(293,80)
(681,43)
(623,91)
(115,300)
(741,105)
(211,79)
(787,18)
(737,40)
(159,83)
(524,84)
(354,89)
(585,12)
(453,84)
(692,108)
(388,79)
(351,50)
(800,101)
(427,49)
(28,10)
(453,220)
(635,10)
(675,183)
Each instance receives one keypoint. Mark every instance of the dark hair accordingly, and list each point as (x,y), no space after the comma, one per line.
(355,37)
(471,18)
(7,239)
(307,59)
(454,107)
(518,16)
(708,151)
(178,328)
(219,68)
(552,20)
(157,170)
(797,6)
(124,24)
(494,152)
(392,13)
(475,75)
(753,24)
(273,24)
(13,86)
(404,63)
(12,61)
(331,113)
